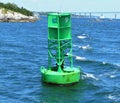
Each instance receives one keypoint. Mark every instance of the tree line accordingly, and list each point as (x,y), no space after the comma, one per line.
(15,8)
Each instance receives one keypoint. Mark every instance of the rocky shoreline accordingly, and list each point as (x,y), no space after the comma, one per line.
(10,16)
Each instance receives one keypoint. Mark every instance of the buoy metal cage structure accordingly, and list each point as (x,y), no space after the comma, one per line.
(60,68)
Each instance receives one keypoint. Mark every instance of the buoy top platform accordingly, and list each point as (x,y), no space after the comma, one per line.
(60,69)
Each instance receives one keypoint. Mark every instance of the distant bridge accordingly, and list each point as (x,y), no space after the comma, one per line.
(100,14)
(97,12)
(114,15)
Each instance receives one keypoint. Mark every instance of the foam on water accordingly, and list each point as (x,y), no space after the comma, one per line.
(109,74)
(112,76)
(109,63)
(117,64)
(69,54)
(77,57)
(80,58)
(89,75)
(84,34)
(75,45)
(113,98)
(85,47)
(104,63)
(81,37)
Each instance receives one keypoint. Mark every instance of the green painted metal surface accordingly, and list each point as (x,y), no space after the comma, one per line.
(59,26)
(67,77)
(59,46)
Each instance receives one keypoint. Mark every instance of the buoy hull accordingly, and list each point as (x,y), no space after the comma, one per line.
(65,77)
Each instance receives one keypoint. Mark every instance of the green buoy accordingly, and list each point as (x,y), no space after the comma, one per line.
(60,68)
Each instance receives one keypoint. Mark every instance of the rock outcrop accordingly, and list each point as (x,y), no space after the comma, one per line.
(11,16)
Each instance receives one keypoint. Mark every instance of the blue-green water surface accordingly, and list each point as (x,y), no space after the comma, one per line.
(96,48)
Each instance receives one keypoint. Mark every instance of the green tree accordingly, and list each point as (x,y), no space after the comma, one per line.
(15,8)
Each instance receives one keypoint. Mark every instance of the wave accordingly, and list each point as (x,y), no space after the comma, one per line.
(113,97)
(80,58)
(117,64)
(112,76)
(77,57)
(89,75)
(85,47)
(95,61)
(84,34)
(109,74)
(75,45)
(82,37)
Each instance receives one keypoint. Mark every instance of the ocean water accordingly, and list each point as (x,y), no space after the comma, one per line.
(96,49)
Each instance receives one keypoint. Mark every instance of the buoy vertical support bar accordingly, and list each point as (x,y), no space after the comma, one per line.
(71,60)
(59,47)
(49,54)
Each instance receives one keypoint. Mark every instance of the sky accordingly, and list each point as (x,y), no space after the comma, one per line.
(68,5)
